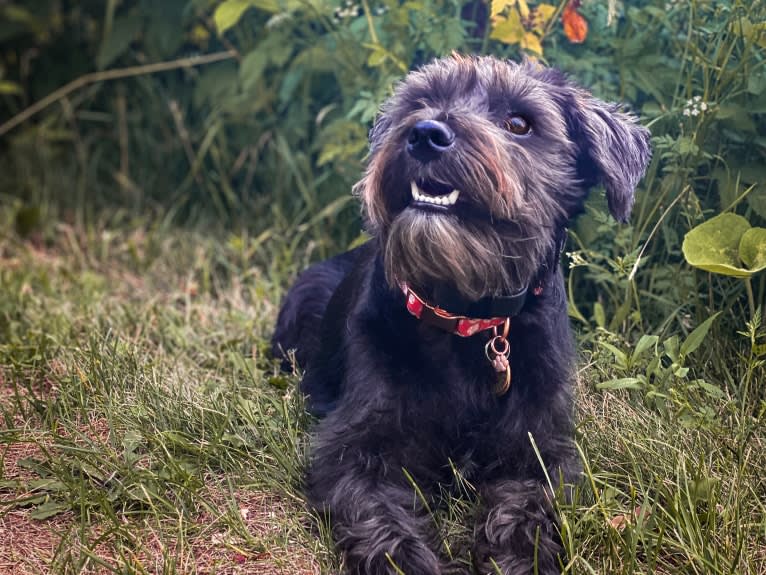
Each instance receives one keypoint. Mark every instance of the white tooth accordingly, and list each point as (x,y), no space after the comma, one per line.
(452,198)
(414,188)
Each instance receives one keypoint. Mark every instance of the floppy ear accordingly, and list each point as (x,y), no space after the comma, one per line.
(613,151)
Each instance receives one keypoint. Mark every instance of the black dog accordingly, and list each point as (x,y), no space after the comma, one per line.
(476,166)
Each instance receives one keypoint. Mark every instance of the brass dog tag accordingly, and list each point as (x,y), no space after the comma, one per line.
(498,352)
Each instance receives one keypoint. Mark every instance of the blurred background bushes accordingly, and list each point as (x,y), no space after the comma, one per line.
(271,138)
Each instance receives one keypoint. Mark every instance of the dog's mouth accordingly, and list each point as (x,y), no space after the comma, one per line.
(433,196)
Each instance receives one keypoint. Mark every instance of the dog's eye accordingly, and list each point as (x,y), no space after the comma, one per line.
(518,125)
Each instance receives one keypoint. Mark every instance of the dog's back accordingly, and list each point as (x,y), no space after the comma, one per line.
(299,322)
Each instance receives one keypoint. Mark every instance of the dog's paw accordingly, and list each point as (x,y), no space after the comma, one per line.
(517,534)
(408,557)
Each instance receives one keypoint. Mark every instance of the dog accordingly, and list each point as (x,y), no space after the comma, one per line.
(443,344)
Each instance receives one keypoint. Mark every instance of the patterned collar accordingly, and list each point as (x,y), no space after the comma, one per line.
(466,325)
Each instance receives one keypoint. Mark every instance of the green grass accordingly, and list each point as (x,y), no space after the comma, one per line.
(145,430)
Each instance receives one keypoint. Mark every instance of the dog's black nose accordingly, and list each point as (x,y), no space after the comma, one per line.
(428,139)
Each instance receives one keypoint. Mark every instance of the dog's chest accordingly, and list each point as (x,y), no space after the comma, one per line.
(445,389)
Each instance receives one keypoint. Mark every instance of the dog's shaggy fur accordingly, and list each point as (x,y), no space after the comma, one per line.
(401,399)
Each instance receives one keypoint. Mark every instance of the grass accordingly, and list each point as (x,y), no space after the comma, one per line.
(145,430)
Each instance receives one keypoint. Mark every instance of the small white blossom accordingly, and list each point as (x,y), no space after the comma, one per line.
(695,106)
(347,10)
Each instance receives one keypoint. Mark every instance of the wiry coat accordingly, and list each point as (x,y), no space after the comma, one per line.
(402,400)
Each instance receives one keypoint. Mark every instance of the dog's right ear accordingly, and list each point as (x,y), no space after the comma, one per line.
(613,150)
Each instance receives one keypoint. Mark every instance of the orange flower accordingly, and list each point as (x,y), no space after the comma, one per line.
(575,26)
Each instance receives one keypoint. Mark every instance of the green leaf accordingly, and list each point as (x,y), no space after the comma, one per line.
(646,342)
(696,337)
(48,509)
(215,83)
(714,245)
(671,347)
(687,147)
(757,200)
(712,390)
(251,69)
(599,315)
(377,57)
(279,381)
(124,31)
(622,383)
(49,484)
(229,13)
(752,249)
(164,32)
(620,356)
(679,370)
(290,82)
(7,87)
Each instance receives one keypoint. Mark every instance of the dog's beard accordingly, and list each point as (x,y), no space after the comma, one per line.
(428,251)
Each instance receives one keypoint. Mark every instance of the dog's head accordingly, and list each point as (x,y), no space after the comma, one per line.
(476,165)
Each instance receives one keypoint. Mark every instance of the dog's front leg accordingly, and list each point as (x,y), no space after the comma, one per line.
(517,530)
(378,521)
(379,527)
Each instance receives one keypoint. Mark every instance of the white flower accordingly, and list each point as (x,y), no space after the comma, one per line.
(695,106)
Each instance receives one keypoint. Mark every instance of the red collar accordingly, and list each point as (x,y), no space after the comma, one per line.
(457,324)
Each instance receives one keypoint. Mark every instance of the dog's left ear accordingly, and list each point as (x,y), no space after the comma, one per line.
(614,151)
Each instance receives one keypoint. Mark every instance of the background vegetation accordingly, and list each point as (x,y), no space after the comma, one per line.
(151,219)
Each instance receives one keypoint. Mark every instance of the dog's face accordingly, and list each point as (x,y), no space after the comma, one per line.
(476,164)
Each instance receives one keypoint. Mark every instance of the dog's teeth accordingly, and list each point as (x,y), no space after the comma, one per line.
(420,196)
(415,191)
(452,198)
